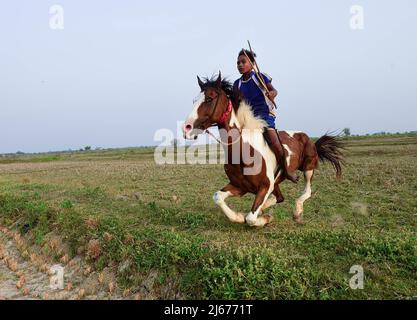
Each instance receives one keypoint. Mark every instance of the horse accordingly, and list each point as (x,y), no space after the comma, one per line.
(220,104)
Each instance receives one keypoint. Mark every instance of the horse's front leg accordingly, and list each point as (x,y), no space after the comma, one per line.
(261,198)
(220,197)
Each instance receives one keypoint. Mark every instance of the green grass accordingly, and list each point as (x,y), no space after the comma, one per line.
(163,219)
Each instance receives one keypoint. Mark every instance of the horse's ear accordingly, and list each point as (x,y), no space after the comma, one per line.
(200,83)
(219,80)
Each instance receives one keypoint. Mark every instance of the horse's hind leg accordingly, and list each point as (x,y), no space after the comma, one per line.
(276,197)
(220,197)
(272,201)
(299,204)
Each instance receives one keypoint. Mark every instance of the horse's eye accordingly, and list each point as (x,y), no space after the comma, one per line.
(209,99)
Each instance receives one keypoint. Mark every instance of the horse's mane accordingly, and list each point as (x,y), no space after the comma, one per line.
(242,109)
(226,86)
(246,118)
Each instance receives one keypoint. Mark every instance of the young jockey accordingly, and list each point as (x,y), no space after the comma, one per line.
(249,85)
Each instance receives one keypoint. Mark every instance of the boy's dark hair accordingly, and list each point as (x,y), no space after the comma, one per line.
(248,53)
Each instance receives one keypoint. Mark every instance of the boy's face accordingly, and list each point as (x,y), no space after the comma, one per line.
(243,65)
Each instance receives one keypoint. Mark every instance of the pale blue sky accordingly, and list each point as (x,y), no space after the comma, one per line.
(120,70)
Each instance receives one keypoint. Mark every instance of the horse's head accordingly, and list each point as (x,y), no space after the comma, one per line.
(211,107)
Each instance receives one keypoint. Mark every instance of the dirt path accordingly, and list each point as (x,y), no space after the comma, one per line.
(25,273)
(18,278)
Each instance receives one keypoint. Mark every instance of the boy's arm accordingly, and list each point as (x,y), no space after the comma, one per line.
(272,91)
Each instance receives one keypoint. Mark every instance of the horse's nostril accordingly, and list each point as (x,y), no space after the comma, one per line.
(188,127)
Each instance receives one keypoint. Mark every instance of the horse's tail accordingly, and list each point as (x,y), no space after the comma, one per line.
(329,149)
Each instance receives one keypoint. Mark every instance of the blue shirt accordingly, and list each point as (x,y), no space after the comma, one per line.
(254,96)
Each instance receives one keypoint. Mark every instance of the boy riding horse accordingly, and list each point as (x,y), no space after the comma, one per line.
(260,101)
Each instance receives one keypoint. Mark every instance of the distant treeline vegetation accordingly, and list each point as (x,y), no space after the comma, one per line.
(345,133)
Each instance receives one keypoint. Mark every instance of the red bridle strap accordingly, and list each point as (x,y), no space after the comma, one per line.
(222,120)
(226,114)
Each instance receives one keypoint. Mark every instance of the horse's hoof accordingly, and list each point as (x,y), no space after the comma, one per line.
(217,199)
(269,218)
(251,219)
(240,218)
(250,222)
(299,220)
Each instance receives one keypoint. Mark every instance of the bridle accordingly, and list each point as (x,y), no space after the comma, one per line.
(215,106)
(222,121)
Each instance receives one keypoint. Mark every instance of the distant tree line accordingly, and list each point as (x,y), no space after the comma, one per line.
(175,143)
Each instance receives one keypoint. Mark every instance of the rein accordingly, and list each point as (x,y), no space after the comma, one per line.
(221,142)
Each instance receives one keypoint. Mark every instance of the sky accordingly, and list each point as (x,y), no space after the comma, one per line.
(119,71)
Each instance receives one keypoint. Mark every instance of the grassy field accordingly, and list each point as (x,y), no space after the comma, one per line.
(161,220)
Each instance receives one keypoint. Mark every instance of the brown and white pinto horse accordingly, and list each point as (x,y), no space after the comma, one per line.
(219,104)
